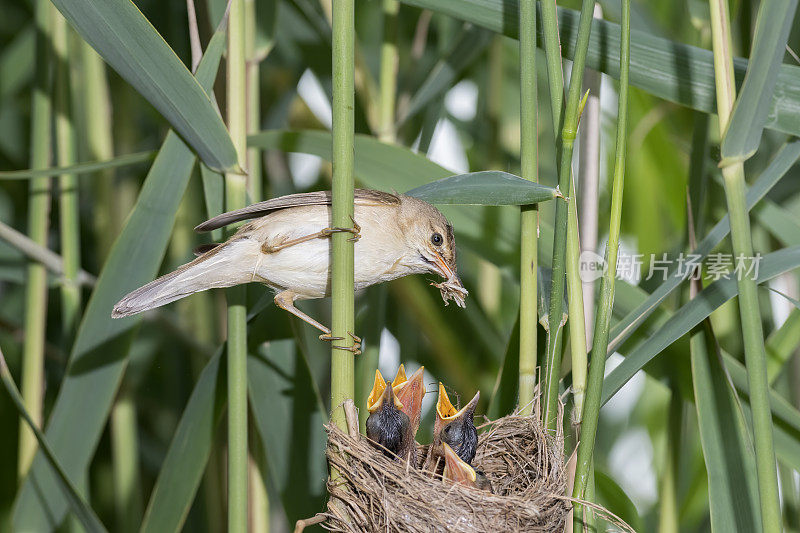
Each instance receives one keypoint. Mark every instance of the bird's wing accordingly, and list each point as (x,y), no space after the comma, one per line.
(362,197)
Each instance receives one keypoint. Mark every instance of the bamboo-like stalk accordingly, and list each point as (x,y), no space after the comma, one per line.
(668,516)
(38,222)
(236,197)
(342,379)
(552,51)
(388,73)
(490,284)
(568,133)
(591,408)
(529,215)
(96,110)
(125,450)
(749,311)
(68,183)
(588,182)
(577,320)
(255,182)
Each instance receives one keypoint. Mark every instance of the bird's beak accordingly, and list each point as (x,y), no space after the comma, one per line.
(455,469)
(410,393)
(381,394)
(445,271)
(446,412)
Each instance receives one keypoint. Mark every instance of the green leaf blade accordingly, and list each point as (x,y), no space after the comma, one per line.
(484,188)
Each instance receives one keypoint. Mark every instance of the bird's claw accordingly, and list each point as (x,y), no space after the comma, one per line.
(355,349)
(355,230)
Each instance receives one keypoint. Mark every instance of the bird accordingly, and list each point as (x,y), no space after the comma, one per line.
(388,427)
(287,247)
(454,428)
(410,391)
(456,470)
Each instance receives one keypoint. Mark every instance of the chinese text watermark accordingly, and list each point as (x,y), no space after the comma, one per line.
(634,268)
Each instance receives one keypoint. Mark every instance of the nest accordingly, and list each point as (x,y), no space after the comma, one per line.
(524,465)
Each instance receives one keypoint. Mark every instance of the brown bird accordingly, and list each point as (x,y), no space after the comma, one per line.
(288,249)
(388,427)
(456,470)
(453,427)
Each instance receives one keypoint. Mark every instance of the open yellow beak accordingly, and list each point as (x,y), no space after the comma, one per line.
(381,393)
(410,393)
(446,412)
(455,469)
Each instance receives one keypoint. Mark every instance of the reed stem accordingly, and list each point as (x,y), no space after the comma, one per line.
(529,215)
(568,134)
(38,222)
(68,183)
(236,197)
(342,368)
(255,183)
(749,311)
(388,73)
(591,408)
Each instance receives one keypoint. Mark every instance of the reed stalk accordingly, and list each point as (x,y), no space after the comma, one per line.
(342,367)
(388,73)
(529,215)
(236,197)
(577,318)
(552,52)
(255,183)
(591,408)
(68,183)
(125,450)
(749,310)
(38,222)
(568,134)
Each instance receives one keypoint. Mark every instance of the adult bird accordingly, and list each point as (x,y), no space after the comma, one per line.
(288,249)
(388,427)
(453,427)
(456,470)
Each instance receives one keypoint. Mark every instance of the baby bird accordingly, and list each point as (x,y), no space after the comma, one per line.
(456,470)
(454,428)
(388,427)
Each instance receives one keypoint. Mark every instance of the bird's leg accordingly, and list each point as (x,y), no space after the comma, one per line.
(285,300)
(325,232)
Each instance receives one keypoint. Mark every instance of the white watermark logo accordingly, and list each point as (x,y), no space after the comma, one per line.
(592,266)
(634,268)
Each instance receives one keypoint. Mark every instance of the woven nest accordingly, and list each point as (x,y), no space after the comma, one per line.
(523,463)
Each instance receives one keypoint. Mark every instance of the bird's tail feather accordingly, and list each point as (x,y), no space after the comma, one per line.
(224,266)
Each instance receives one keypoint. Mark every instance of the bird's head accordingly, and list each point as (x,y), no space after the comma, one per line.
(410,392)
(430,240)
(381,396)
(455,427)
(456,470)
(387,424)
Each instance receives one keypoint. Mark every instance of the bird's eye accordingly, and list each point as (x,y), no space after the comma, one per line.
(447,430)
(436,239)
